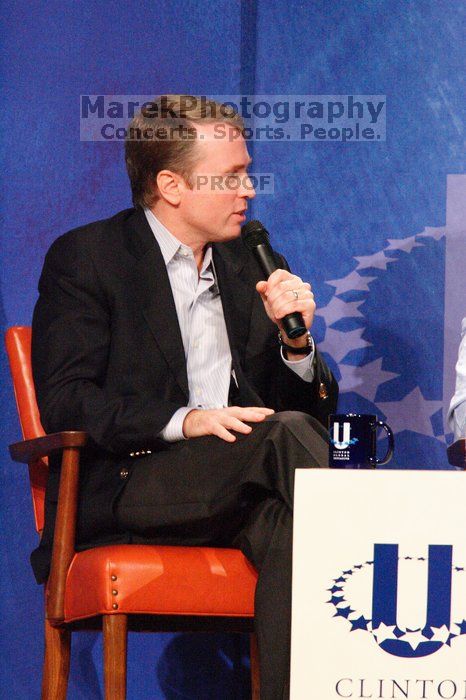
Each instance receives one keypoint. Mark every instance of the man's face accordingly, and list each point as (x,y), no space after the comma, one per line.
(214,209)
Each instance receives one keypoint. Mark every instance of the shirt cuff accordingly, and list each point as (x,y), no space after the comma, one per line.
(173,431)
(304,368)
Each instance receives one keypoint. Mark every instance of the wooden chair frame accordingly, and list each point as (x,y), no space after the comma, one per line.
(114,626)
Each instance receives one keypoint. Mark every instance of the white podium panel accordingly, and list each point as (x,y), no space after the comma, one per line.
(379,585)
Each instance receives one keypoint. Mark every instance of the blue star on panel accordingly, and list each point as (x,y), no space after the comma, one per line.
(336,599)
(433,637)
(343,612)
(462,626)
(359,624)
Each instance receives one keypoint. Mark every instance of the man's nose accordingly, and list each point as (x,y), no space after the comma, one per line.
(247,188)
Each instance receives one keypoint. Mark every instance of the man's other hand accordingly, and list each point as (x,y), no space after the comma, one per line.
(219,421)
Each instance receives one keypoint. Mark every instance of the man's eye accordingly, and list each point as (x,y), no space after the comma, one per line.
(232,180)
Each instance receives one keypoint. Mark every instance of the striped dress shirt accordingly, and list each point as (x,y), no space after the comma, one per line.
(457,411)
(203,330)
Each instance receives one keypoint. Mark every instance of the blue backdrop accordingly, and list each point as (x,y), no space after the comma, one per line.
(377,227)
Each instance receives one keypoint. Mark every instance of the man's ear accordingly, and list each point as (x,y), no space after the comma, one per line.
(169,185)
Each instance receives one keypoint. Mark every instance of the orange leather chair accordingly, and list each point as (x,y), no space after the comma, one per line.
(120,587)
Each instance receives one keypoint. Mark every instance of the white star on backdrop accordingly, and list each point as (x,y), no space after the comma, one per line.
(337,308)
(364,380)
(338,343)
(406,244)
(413,412)
(352,282)
(377,260)
(432,232)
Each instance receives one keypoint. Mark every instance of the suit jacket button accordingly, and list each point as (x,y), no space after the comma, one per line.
(124,473)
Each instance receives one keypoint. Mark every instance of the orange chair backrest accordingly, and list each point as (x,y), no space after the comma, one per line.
(18,346)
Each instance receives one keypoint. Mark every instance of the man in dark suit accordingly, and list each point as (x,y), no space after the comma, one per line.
(156,334)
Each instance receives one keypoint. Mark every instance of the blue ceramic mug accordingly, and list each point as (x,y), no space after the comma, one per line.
(353,441)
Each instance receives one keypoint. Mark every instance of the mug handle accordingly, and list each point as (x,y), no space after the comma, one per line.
(391,442)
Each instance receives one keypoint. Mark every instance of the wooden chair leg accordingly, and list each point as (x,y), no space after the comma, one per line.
(115,633)
(255,680)
(56,662)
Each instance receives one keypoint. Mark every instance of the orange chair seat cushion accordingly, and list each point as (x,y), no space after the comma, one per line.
(160,580)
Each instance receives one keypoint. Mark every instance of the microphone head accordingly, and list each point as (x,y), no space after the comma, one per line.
(253,234)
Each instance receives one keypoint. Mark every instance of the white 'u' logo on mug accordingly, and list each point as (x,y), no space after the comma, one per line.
(344,444)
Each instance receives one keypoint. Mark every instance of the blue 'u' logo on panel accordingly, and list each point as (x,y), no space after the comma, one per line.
(385,591)
(379,616)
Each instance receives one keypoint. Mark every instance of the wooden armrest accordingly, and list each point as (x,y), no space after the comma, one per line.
(457,453)
(31,450)
(69,442)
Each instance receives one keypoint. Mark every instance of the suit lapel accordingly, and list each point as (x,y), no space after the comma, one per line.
(237,293)
(156,298)
(236,284)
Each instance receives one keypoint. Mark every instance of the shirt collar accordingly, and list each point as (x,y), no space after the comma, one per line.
(169,244)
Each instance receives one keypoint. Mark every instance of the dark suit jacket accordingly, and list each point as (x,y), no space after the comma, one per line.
(108,357)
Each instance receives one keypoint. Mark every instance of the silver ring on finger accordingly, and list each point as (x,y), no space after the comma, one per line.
(295,292)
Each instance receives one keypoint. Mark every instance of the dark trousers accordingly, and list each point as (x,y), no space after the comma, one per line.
(205,491)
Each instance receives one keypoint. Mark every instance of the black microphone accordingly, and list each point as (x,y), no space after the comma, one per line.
(256,238)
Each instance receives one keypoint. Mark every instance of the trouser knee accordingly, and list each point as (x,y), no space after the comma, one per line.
(291,419)
(299,442)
